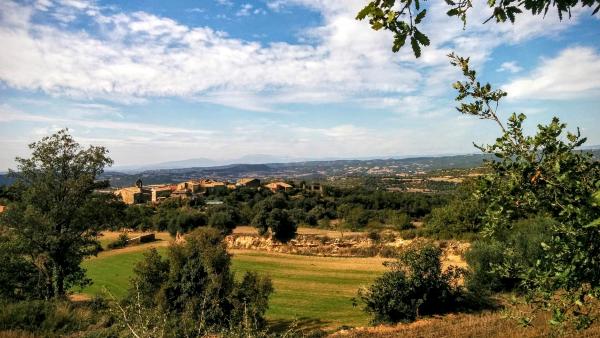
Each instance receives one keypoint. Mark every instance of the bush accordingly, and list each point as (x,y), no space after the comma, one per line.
(270,216)
(45,317)
(121,242)
(493,268)
(250,300)
(19,278)
(415,286)
(374,236)
(195,289)
(222,220)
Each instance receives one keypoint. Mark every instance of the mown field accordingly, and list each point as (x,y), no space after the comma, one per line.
(313,291)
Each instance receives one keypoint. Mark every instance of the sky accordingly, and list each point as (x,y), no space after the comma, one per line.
(157,81)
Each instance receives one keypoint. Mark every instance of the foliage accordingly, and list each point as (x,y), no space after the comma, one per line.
(271,215)
(397,219)
(224,218)
(57,217)
(541,174)
(120,242)
(415,286)
(194,287)
(460,217)
(149,275)
(19,278)
(48,318)
(250,300)
(403,17)
(138,216)
(180,220)
(493,268)
(355,217)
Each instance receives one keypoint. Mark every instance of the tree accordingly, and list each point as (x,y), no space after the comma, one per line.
(224,218)
(540,174)
(149,275)
(271,215)
(58,215)
(139,216)
(403,17)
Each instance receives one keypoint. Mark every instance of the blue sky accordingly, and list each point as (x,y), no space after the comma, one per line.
(156,81)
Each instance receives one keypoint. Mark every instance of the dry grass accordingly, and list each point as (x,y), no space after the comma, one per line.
(487,324)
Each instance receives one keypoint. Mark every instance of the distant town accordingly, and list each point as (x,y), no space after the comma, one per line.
(157,193)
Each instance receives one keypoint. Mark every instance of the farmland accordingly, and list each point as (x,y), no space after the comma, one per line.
(313,291)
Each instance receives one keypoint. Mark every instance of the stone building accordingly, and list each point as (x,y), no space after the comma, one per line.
(278,186)
(161,193)
(135,195)
(192,186)
(248,182)
(210,185)
(314,187)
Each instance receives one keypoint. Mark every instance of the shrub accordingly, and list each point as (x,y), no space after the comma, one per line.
(149,275)
(416,285)
(374,236)
(19,278)
(250,300)
(462,215)
(222,220)
(494,268)
(121,242)
(194,289)
(278,221)
(45,317)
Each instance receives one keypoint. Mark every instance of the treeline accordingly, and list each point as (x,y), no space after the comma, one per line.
(355,208)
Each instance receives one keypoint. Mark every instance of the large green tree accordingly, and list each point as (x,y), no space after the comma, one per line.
(544,174)
(56,219)
(403,17)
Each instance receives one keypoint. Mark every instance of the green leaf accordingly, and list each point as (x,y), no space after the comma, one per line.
(420,16)
(399,41)
(415,46)
(422,38)
(377,25)
(452,12)
(364,12)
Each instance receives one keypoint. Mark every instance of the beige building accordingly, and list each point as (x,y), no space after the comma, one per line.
(248,182)
(162,193)
(192,186)
(2,208)
(314,187)
(210,185)
(134,195)
(278,186)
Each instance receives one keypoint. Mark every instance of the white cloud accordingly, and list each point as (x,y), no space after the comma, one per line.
(248,9)
(141,55)
(511,67)
(9,114)
(227,3)
(573,73)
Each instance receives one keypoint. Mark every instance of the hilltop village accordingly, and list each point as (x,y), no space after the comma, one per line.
(157,193)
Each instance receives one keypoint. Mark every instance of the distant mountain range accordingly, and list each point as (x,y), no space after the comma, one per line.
(249,159)
(269,167)
(207,162)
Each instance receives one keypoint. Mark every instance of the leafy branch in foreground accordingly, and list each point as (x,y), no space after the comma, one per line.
(544,174)
(402,17)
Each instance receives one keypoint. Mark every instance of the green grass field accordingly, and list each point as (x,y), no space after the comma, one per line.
(313,291)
